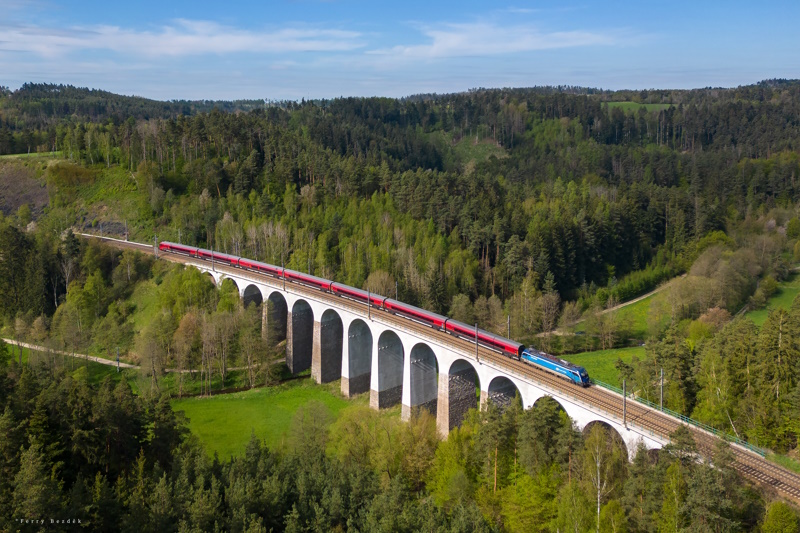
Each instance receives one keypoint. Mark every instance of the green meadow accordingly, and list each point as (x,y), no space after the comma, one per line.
(600,364)
(787,292)
(32,155)
(632,319)
(224,423)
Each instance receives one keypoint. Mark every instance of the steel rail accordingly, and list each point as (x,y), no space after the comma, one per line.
(648,420)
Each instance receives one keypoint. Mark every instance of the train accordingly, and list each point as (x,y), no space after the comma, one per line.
(507,347)
(565,369)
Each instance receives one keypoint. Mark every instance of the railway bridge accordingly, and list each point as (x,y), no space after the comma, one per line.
(399,360)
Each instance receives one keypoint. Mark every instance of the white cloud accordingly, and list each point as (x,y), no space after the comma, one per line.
(182,38)
(488,39)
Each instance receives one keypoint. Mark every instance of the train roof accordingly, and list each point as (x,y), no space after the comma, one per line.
(415,309)
(310,277)
(483,332)
(554,359)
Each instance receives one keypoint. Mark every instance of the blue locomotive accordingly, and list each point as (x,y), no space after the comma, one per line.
(565,369)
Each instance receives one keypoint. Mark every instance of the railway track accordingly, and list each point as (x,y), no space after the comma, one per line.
(747,463)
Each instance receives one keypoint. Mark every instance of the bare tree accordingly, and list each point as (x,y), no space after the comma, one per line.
(251,342)
(67,265)
(604,464)
(186,339)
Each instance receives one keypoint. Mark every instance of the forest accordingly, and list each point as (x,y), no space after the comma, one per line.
(117,461)
(529,211)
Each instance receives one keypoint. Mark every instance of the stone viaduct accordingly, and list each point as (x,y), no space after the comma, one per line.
(394,359)
(401,361)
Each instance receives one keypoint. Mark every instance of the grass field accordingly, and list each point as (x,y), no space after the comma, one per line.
(632,318)
(787,291)
(224,423)
(31,155)
(600,364)
(634,107)
(467,150)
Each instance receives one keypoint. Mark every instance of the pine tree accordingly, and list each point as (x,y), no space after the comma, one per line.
(36,491)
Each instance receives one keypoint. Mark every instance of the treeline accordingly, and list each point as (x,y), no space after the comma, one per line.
(572,188)
(121,462)
(39,105)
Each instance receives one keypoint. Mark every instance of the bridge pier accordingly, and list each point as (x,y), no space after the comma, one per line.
(421,384)
(357,350)
(326,353)
(388,376)
(299,337)
(274,319)
(457,395)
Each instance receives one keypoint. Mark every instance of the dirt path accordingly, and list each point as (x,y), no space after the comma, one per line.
(640,298)
(663,286)
(45,349)
(109,362)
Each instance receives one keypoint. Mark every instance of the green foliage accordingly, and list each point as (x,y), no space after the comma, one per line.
(492,205)
(780,518)
(529,503)
(639,282)
(64,180)
(793,228)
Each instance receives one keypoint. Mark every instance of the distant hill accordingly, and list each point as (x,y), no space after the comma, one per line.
(37,104)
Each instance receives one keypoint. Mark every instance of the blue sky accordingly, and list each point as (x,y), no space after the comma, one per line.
(296,49)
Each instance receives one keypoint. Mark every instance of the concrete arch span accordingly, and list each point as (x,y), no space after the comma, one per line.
(423,378)
(391,358)
(274,320)
(326,359)
(548,403)
(359,359)
(227,281)
(252,295)
(299,337)
(612,437)
(502,391)
(461,387)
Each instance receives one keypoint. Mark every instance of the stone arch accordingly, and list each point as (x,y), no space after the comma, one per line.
(252,295)
(547,398)
(326,364)
(390,371)
(502,391)
(463,390)
(423,378)
(225,280)
(274,320)
(300,337)
(210,275)
(611,432)
(359,358)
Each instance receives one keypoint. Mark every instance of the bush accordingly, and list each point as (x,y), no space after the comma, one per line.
(639,282)
(793,228)
(758,299)
(768,286)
